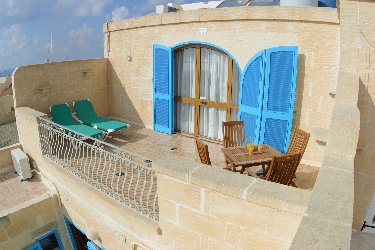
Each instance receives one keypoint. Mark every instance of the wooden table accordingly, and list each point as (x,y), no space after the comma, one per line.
(239,156)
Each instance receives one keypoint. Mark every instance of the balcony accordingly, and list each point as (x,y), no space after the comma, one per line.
(124,176)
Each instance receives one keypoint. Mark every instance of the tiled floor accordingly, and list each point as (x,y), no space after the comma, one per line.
(14,192)
(155,145)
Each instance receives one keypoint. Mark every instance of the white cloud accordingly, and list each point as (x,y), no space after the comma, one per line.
(17,48)
(84,7)
(120,13)
(83,42)
(12,40)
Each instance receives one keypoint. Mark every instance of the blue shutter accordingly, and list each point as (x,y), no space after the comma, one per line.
(35,246)
(251,96)
(279,94)
(91,246)
(163,89)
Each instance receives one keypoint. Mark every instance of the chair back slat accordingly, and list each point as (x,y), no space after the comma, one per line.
(233,134)
(283,169)
(298,143)
(203,152)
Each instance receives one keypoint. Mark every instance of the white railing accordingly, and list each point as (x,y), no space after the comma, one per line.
(125,176)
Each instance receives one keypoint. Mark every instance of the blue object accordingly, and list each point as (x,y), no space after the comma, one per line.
(251,96)
(91,246)
(163,96)
(279,95)
(327,3)
(35,246)
(48,240)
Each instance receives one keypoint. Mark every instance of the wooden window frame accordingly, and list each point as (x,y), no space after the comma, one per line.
(196,101)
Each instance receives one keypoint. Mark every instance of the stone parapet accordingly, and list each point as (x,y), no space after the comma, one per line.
(211,207)
(297,14)
(329,216)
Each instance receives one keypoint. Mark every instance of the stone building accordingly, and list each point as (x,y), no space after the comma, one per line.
(143,189)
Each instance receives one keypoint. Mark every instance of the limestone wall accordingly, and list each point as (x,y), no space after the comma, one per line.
(42,85)
(6,158)
(199,206)
(19,228)
(6,101)
(202,207)
(357,52)
(242,32)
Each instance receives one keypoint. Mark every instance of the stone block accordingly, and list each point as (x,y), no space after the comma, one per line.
(347,88)
(167,209)
(366,12)
(218,245)
(211,15)
(202,224)
(180,192)
(232,234)
(180,236)
(320,134)
(221,180)
(317,234)
(280,197)
(254,217)
(338,163)
(336,188)
(138,22)
(176,167)
(152,20)
(253,240)
(344,131)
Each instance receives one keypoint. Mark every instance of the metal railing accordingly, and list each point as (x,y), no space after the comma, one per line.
(123,175)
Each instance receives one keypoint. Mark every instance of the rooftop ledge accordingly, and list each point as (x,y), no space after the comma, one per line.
(270,13)
(273,195)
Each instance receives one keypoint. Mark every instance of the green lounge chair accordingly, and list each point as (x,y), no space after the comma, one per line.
(86,113)
(62,115)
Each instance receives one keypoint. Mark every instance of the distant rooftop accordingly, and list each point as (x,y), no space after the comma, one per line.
(235,3)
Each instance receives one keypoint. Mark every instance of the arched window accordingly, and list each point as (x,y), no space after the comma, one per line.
(206,90)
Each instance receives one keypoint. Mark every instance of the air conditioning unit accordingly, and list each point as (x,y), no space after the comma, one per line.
(21,163)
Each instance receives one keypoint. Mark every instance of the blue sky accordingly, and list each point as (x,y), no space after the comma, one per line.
(76,25)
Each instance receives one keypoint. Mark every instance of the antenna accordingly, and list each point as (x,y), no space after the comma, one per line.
(49,51)
(51,43)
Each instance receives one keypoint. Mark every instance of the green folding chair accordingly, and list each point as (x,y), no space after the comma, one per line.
(62,115)
(86,113)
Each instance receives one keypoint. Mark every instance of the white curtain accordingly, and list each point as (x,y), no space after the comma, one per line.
(185,73)
(185,86)
(213,86)
(214,75)
(184,117)
(210,122)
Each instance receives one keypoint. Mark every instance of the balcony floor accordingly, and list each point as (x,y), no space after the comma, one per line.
(13,192)
(154,145)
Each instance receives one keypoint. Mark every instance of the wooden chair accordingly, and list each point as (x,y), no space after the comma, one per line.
(298,143)
(283,169)
(233,134)
(204,155)
(203,152)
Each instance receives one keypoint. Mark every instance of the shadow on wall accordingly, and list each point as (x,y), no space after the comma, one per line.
(120,103)
(364,170)
(299,90)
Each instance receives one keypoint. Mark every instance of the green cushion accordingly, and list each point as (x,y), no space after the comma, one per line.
(61,115)
(86,113)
